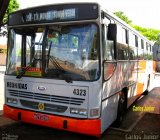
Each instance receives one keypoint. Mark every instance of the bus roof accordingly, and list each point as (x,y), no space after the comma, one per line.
(61,12)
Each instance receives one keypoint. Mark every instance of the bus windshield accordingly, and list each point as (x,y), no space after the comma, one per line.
(69,52)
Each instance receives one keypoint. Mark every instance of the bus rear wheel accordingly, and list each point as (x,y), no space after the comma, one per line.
(148,86)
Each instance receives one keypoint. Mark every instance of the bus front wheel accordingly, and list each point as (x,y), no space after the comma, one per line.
(122,107)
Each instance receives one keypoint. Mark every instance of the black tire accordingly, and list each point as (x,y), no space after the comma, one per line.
(122,107)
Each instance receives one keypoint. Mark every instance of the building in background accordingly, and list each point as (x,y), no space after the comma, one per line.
(3,49)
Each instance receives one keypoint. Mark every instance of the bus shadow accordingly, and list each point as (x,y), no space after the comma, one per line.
(144,104)
(26,131)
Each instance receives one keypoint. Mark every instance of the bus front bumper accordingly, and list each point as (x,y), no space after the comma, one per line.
(83,126)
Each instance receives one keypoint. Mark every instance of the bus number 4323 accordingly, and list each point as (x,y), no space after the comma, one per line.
(80,92)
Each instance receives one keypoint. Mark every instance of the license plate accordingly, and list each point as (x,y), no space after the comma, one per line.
(42,117)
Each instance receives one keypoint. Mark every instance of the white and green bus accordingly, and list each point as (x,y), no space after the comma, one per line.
(73,67)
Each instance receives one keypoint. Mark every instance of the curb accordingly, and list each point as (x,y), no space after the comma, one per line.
(130,128)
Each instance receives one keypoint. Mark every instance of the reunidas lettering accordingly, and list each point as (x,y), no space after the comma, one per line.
(16,85)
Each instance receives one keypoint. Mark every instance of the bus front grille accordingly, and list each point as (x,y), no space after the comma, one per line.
(46,97)
(47,107)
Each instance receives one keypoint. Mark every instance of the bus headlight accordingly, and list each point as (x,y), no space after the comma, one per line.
(12,100)
(78,111)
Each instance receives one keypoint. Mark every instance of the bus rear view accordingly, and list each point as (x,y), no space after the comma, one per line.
(53,65)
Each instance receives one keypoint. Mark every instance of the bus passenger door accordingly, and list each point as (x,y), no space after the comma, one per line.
(109,102)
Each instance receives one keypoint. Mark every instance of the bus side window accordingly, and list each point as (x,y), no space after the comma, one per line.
(141,50)
(108,50)
(122,54)
(111,41)
(108,46)
(131,55)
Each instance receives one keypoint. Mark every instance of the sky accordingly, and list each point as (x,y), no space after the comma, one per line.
(145,13)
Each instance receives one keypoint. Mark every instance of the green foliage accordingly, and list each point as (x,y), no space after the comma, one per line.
(148,56)
(13,6)
(122,16)
(149,33)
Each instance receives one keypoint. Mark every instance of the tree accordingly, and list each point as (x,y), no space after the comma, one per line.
(121,15)
(13,6)
(149,33)
(3,7)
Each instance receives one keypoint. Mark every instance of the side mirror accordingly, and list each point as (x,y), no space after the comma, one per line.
(112,35)
(112,32)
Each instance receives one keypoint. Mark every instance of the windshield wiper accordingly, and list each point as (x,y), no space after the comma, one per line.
(22,71)
(67,78)
(56,72)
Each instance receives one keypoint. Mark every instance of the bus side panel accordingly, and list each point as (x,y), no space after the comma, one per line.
(118,81)
(95,91)
(133,77)
(154,66)
(141,76)
(111,88)
(132,91)
(145,69)
(109,112)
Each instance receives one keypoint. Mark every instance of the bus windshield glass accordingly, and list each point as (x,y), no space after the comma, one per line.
(69,52)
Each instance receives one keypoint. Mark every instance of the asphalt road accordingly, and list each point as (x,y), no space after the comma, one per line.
(137,125)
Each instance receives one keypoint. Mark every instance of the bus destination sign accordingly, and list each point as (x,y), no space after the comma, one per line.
(54,13)
(50,15)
